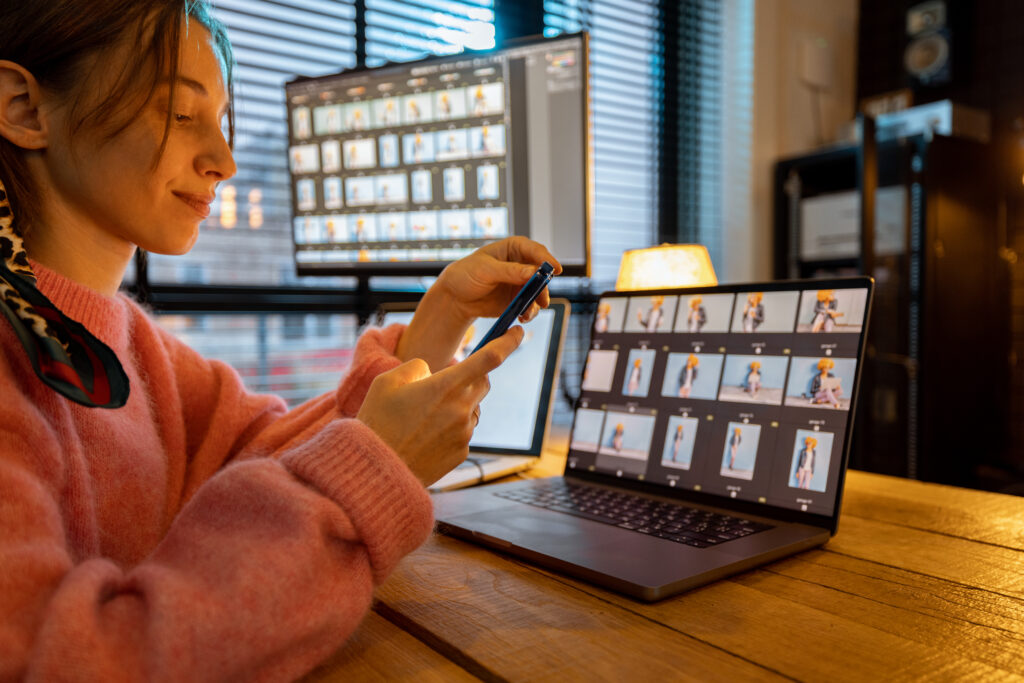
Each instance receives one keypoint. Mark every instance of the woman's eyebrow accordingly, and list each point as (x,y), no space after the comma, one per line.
(190,83)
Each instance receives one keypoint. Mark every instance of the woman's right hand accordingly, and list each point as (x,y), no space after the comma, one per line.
(428,419)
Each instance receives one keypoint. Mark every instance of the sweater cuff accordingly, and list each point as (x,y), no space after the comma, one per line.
(388,506)
(374,354)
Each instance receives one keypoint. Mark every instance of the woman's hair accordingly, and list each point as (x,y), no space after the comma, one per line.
(64,44)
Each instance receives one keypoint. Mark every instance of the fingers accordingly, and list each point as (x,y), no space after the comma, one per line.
(408,372)
(525,250)
(483,361)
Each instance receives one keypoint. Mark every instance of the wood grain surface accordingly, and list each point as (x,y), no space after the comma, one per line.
(921,582)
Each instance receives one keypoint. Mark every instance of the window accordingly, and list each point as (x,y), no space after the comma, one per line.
(401,30)
(625,92)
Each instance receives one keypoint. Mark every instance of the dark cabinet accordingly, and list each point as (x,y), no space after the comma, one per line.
(934,393)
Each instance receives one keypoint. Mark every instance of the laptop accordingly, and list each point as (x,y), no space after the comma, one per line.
(515,416)
(711,435)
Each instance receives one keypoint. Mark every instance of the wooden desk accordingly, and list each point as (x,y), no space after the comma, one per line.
(922,581)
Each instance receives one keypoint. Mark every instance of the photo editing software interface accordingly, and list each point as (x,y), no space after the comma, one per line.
(744,395)
(418,164)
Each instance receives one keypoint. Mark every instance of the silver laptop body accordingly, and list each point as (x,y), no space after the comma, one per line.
(731,466)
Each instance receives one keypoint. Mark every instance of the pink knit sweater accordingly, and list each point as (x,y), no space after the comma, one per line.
(200,532)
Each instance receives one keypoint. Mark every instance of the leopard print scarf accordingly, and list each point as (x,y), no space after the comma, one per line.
(64,355)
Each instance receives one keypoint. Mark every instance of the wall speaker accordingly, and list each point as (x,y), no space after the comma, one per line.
(928,56)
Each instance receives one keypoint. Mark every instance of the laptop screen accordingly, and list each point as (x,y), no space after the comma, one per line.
(514,414)
(741,392)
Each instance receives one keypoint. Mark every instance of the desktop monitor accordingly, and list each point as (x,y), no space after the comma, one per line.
(403,168)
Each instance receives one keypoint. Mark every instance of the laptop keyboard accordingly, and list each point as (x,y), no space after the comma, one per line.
(671,521)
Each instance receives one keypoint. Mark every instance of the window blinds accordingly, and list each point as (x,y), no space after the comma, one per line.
(625,90)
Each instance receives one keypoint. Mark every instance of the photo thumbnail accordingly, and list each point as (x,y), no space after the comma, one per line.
(812,453)
(332,193)
(330,151)
(753,379)
(327,120)
(422,186)
(692,375)
(388,150)
(490,223)
(391,188)
(305,194)
(486,98)
(586,429)
(627,435)
(454,183)
(308,230)
(302,126)
(679,441)
(650,313)
(450,104)
(610,314)
(704,313)
(487,141)
(357,116)
(821,382)
(304,158)
(391,227)
(740,454)
(487,182)
(455,225)
(832,310)
(452,144)
(599,373)
(765,311)
(359,153)
(423,226)
(363,227)
(387,112)
(639,367)
(336,228)
(418,148)
(418,108)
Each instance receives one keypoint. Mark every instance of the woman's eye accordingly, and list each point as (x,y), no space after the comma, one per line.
(182,118)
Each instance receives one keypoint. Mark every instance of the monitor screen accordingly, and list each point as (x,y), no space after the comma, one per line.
(404,168)
(726,390)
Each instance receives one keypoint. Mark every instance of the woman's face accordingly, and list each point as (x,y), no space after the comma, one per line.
(113,184)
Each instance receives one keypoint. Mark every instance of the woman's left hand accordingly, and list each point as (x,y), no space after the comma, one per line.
(481,284)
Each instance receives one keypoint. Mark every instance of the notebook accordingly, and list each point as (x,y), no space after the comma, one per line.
(711,435)
(516,413)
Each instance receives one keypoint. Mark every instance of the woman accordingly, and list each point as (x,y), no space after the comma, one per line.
(753,381)
(805,463)
(157,521)
(688,375)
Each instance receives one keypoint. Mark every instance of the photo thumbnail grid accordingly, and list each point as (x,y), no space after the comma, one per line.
(386,183)
(750,375)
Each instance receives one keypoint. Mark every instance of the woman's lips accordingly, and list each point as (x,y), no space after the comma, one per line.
(197,202)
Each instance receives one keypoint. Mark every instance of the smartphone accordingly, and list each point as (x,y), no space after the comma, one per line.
(530,291)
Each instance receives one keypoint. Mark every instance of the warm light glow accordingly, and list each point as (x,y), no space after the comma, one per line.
(255,209)
(228,207)
(670,265)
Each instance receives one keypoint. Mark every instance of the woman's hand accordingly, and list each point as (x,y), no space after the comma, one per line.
(428,419)
(481,284)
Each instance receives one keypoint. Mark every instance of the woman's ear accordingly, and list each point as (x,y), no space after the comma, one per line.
(21,120)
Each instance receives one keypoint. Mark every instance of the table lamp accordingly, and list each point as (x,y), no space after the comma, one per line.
(669,265)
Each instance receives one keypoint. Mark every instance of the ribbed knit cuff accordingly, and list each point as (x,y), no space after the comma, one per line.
(386,503)
(374,354)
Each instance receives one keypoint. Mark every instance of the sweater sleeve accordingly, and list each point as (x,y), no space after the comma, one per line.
(222,421)
(268,567)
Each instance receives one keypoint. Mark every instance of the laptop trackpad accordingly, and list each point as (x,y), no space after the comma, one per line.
(599,547)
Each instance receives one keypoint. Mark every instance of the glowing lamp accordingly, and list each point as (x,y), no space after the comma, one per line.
(670,265)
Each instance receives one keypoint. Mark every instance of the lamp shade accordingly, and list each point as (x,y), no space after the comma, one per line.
(670,265)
